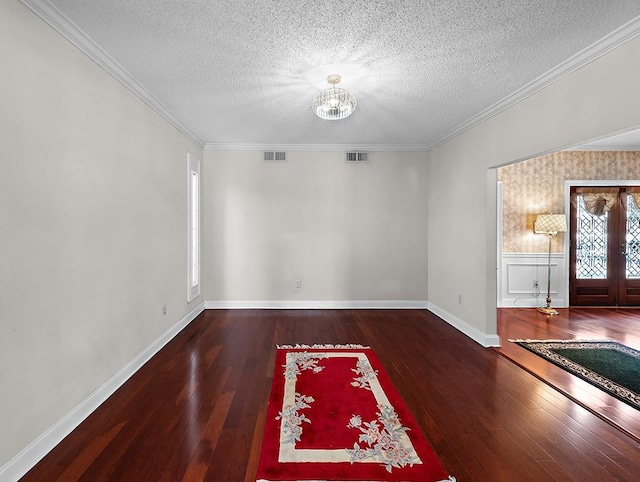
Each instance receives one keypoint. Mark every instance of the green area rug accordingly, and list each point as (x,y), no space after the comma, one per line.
(610,366)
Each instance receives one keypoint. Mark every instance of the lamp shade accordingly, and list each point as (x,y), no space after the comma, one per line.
(550,223)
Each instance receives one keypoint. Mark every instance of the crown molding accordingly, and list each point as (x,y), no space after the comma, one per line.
(63,25)
(69,30)
(315,147)
(599,48)
(596,148)
(621,148)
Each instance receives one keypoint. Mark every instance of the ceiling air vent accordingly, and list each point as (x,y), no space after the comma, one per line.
(357,156)
(274,156)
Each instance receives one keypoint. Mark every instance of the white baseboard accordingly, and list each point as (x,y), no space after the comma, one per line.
(484,339)
(41,446)
(533,302)
(316,305)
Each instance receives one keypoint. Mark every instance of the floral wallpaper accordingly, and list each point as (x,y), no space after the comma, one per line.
(536,187)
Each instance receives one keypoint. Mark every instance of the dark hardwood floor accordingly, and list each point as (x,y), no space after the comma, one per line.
(617,324)
(196,410)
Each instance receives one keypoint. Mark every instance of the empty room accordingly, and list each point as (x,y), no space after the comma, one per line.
(318,241)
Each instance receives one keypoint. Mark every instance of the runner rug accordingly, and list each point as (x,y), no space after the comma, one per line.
(610,366)
(334,415)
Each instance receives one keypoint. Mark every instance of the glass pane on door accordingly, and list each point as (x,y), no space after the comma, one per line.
(632,248)
(591,243)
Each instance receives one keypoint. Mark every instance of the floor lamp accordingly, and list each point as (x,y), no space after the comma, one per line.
(551,225)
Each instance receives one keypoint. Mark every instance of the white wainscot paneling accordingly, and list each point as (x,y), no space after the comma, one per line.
(518,271)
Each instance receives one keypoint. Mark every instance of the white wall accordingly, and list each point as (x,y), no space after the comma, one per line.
(598,99)
(354,234)
(92,222)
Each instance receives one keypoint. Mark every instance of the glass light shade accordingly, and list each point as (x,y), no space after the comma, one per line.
(334,103)
(550,224)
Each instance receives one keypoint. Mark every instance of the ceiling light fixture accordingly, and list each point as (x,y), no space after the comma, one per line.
(334,103)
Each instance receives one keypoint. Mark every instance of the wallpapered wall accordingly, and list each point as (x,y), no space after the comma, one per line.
(536,187)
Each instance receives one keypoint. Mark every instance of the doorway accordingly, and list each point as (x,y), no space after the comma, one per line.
(604,264)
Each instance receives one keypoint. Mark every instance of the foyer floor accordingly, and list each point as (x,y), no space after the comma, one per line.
(616,324)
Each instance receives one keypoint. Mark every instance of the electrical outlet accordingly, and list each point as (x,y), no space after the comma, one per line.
(460,299)
(298,283)
(164,309)
(536,289)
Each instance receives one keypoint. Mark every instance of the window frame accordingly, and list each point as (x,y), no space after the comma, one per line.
(194,227)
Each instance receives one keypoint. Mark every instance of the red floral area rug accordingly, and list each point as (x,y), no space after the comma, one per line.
(334,415)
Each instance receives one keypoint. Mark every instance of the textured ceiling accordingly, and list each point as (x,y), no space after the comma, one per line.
(244,72)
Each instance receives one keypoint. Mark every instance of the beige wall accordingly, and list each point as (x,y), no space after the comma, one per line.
(347,231)
(536,186)
(600,98)
(92,222)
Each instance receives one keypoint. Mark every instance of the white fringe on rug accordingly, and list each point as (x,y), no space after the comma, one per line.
(322,347)
(451,478)
(571,340)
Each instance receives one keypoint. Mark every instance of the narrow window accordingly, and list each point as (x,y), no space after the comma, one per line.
(194,227)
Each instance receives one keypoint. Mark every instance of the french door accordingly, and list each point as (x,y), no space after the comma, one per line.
(604,267)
